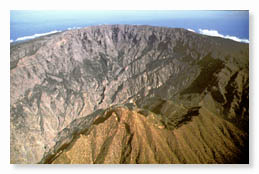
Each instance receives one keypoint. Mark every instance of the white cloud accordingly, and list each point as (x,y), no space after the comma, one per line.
(190,30)
(217,34)
(35,35)
(69,28)
(11,41)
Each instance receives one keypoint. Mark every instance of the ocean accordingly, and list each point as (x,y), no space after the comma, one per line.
(28,24)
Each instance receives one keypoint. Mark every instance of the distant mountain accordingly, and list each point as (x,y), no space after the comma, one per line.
(129,94)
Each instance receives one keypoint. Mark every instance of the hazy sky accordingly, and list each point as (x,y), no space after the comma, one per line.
(27,23)
(24,15)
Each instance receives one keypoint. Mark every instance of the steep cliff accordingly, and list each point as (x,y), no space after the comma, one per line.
(61,78)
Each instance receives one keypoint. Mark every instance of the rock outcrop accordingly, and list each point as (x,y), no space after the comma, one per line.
(60,82)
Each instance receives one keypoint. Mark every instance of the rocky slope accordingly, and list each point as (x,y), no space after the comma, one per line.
(139,136)
(57,81)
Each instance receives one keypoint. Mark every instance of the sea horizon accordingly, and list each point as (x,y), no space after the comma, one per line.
(234,25)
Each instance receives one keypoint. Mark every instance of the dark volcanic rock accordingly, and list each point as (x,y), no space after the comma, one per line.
(57,79)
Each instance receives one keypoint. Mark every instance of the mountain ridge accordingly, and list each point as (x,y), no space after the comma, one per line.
(59,78)
(121,134)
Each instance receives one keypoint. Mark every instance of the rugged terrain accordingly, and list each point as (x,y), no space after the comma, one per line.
(177,96)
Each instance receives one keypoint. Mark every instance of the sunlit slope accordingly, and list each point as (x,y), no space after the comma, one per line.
(123,135)
(57,79)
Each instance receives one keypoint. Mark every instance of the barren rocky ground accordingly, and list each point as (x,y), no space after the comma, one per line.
(129,94)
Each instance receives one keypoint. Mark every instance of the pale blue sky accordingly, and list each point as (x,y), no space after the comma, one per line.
(26,23)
